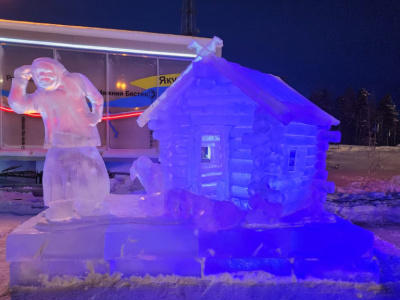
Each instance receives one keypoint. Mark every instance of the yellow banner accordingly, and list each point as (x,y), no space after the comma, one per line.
(150,82)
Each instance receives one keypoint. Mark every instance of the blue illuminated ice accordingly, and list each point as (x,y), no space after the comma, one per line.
(234,134)
(151,177)
(240,185)
(75,176)
(149,174)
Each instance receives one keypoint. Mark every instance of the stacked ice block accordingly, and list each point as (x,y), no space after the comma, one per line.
(134,245)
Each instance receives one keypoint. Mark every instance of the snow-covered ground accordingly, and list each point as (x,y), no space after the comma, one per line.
(370,198)
(258,286)
(367,183)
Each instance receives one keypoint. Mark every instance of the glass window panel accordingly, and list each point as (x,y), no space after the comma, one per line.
(132,82)
(93,66)
(169,70)
(132,86)
(19,131)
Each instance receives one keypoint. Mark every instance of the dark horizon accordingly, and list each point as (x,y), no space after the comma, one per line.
(329,44)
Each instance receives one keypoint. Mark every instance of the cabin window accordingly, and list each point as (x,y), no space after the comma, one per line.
(209,144)
(205,154)
(292,160)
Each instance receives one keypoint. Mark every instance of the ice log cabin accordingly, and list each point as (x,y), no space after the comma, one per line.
(232,133)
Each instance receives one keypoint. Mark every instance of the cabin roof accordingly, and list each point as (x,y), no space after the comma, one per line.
(269,91)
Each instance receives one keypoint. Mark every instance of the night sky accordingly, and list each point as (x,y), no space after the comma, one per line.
(312,44)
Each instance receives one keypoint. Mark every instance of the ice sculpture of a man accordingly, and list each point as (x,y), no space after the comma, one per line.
(74,175)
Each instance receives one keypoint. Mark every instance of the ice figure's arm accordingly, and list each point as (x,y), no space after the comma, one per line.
(19,100)
(95,98)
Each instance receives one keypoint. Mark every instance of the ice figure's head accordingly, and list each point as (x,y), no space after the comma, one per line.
(47,73)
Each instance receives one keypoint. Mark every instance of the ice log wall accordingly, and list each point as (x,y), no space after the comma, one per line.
(289,163)
(207,117)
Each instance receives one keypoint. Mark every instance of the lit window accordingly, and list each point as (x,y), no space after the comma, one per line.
(205,154)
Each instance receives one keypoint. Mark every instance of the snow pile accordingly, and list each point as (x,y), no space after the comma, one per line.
(367,201)
(122,184)
(358,148)
(243,285)
(378,188)
(20,203)
(25,202)
(116,279)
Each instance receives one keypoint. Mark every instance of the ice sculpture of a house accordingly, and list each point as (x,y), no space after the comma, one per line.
(232,133)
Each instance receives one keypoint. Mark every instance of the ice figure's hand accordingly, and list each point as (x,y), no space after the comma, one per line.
(93,118)
(24,72)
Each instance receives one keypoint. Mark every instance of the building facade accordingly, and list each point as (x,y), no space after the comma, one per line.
(130,69)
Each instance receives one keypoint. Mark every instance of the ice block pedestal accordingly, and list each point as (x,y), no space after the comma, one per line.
(129,243)
(331,248)
(124,241)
